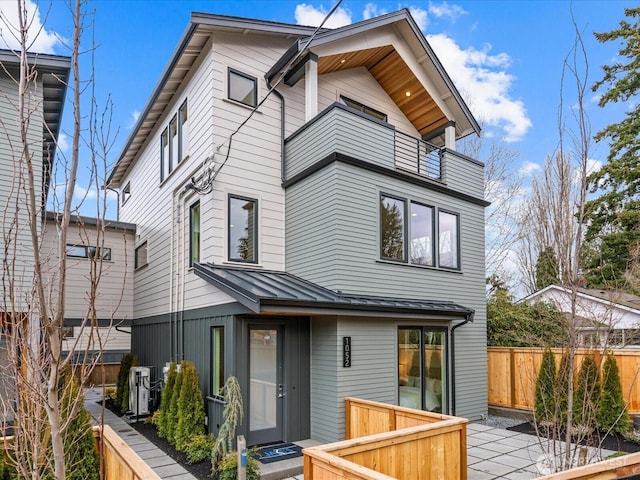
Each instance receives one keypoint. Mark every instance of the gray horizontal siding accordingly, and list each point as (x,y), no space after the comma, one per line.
(343,132)
(462,174)
(333,240)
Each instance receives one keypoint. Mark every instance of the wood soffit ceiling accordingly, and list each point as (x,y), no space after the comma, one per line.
(396,78)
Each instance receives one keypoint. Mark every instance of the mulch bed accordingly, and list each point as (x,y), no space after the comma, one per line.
(202,470)
(612,441)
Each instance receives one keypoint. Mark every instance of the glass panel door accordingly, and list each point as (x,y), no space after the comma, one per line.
(434,371)
(266,390)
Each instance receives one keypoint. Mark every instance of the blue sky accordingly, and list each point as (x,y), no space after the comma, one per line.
(505,57)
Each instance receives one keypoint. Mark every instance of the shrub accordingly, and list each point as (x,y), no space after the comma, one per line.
(171,421)
(612,410)
(122,390)
(228,469)
(190,407)
(545,399)
(232,416)
(199,448)
(587,394)
(165,402)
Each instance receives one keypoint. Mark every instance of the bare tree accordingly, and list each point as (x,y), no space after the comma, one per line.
(35,289)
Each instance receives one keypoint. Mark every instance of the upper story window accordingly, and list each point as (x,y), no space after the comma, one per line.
(141,256)
(392,228)
(420,230)
(86,251)
(183,131)
(242,88)
(448,241)
(126,192)
(372,112)
(243,229)
(174,142)
(194,233)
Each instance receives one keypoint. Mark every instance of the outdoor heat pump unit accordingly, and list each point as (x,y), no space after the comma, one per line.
(139,386)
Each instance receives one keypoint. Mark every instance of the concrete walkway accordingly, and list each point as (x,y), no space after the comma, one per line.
(160,462)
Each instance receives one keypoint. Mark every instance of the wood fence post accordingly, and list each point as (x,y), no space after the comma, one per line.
(512,378)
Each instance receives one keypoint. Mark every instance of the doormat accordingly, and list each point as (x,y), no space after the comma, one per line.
(278,451)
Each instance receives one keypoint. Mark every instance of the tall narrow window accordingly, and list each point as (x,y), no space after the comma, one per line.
(183,132)
(194,234)
(164,154)
(448,240)
(141,256)
(243,229)
(173,143)
(217,360)
(392,221)
(421,234)
(242,88)
(422,368)
(126,192)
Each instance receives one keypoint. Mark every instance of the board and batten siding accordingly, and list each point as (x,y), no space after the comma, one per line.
(372,376)
(13,185)
(355,266)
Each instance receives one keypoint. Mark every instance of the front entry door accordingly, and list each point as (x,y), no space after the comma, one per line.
(266,388)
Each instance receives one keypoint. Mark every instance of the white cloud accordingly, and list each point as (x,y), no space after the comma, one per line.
(420,16)
(309,15)
(453,12)
(372,10)
(63,143)
(82,194)
(593,166)
(481,77)
(39,39)
(136,115)
(529,168)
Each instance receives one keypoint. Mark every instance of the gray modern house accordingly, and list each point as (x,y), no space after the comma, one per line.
(305,223)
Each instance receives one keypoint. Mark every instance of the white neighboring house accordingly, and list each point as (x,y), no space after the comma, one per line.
(107,247)
(607,317)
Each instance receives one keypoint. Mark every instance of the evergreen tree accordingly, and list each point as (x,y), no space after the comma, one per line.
(122,391)
(587,394)
(612,410)
(172,419)
(547,269)
(614,217)
(165,401)
(545,405)
(190,407)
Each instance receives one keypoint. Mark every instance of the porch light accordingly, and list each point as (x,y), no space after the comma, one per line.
(343,60)
(407,93)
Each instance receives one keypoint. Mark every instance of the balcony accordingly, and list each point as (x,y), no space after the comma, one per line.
(340,130)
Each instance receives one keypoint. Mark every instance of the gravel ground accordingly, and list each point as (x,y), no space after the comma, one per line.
(501,422)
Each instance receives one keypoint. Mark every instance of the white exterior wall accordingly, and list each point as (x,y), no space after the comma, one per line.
(614,316)
(252,170)
(13,199)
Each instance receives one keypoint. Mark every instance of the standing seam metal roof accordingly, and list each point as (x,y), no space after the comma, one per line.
(256,288)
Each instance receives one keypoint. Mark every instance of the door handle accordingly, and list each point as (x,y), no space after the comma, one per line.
(281,394)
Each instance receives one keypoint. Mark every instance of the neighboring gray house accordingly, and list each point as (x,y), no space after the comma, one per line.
(332,246)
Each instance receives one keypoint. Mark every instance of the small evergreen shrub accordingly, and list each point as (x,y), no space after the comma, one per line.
(232,417)
(122,389)
(172,414)
(545,398)
(612,410)
(190,407)
(587,394)
(165,402)
(228,469)
(199,448)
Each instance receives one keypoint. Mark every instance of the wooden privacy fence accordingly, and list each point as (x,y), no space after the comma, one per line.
(626,466)
(512,374)
(386,442)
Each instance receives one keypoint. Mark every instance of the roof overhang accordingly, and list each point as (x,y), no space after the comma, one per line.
(274,292)
(53,72)
(421,88)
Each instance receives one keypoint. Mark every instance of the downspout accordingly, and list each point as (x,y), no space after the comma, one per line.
(467,319)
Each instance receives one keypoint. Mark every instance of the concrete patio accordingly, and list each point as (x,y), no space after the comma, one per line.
(496,453)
